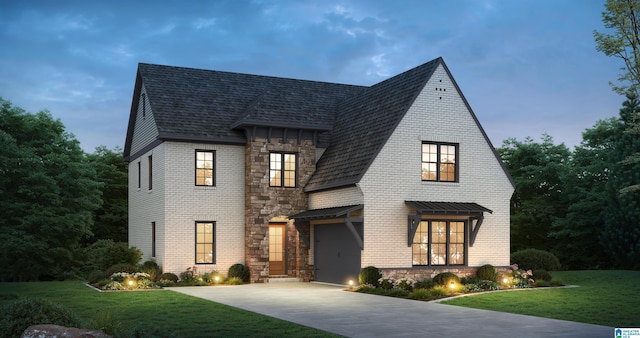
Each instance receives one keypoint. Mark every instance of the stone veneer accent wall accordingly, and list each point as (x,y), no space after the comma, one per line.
(263,203)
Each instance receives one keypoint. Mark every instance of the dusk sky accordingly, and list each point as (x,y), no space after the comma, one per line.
(526,67)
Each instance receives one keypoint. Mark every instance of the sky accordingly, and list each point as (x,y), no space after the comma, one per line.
(526,67)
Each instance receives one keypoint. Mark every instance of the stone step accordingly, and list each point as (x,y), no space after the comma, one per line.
(283,280)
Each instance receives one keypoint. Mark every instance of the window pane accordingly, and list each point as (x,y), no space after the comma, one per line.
(439,232)
(456,254)
(420,254)
(438,254)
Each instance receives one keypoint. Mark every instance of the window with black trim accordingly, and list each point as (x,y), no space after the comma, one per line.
(139,174)
(283,170)
(205,243)
(150,172)
(439,162)
(153,239)
(205,168)
(440,243)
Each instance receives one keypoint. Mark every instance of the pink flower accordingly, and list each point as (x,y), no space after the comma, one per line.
(524,275)
(514,267)
(529,272)
(531,280)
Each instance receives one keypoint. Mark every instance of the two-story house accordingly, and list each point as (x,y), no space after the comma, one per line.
(313,180)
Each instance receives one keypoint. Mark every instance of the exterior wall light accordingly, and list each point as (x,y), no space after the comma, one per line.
(216,279)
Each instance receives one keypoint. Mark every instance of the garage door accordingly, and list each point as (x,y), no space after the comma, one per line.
(336,253)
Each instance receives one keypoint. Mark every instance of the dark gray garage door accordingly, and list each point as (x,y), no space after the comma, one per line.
(336,253)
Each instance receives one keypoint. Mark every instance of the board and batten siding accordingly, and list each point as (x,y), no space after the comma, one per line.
(438,114)
(145,130)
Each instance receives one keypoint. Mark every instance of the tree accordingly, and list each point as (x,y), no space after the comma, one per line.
(620,235)
(537,169)
(622,17)
(110,220)
(47,195)
(585,179)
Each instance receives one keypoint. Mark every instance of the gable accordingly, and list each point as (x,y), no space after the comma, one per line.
(364,124)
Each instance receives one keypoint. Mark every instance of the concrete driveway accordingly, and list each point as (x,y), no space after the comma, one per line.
(331,308)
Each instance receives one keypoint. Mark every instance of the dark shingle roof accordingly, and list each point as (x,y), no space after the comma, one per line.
(204,105)
(445,208)
(364,124)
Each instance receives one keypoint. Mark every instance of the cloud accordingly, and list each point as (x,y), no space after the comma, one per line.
(202,23)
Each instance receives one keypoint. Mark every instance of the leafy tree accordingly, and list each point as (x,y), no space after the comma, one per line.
(620,235)
(537,169)
(622,18)
(585,180)
(110,220)
(47,195)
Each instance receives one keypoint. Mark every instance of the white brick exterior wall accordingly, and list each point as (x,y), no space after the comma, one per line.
(438,114)
(175,204)
(336,198)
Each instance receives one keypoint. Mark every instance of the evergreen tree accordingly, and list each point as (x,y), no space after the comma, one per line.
(620,235)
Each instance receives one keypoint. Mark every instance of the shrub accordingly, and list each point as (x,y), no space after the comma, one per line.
(105,253)
(385,283)
(445,278)
(424,284)
(534,259)
(438,291)
(556,282)
(122,267)
(234,281)
(21,314)
(541,283)
(105,321)
(96,276)
(369,275)
(540,274)
(168,276)
(487,272)
(469,280)
(210,277)
(188,277)
(419,294)
(152,269)
(239,270)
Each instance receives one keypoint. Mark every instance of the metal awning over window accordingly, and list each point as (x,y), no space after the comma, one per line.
(474,211)
(447,208)
(328,213)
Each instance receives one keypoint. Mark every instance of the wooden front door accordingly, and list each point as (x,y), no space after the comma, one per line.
(277,249)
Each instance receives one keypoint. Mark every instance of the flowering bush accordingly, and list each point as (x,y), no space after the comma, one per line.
(390,283)
(126,281)
(518,278)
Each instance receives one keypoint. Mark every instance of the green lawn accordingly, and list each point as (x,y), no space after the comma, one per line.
(170,311)
(610,298)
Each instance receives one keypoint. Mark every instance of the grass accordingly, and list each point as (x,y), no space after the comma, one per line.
(605,297)
(179,314)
